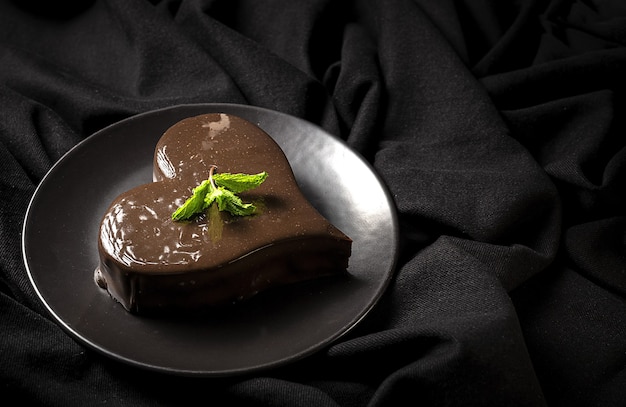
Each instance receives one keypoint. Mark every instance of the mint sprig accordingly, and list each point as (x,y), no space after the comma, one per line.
(221,189)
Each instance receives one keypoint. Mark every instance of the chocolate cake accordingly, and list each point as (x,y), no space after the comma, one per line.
(151,263)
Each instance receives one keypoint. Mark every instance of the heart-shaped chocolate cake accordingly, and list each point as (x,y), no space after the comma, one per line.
(152,263)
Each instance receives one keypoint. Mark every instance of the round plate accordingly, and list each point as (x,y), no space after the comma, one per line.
(60,251)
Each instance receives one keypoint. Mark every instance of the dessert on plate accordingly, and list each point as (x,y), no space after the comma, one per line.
(223,220)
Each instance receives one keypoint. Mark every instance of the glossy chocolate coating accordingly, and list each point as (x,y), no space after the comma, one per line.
(150,263)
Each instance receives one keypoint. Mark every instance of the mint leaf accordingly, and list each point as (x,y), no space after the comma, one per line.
(195,204)
(230,202)
(220,189)
(237,183)
(213,195)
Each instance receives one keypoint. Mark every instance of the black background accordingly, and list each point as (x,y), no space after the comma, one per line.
(498,126)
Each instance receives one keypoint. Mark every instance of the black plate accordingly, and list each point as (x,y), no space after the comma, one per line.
(60,251)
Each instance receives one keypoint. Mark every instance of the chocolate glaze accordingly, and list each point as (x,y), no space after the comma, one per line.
(152,264)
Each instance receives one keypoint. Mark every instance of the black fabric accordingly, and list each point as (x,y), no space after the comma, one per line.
(498,126)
